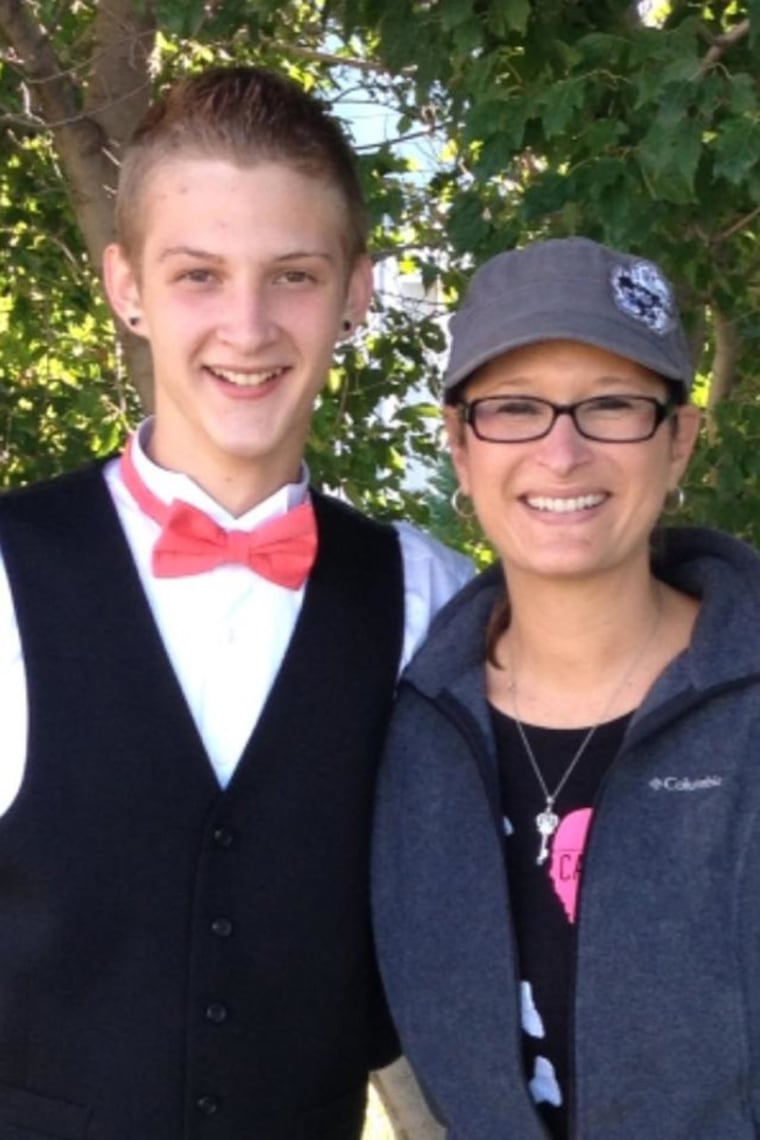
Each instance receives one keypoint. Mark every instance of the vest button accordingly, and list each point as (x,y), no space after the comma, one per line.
(208,1105)
(223,838)
(216,1012)
(221,927)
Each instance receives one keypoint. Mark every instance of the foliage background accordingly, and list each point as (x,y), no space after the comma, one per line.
(497,121)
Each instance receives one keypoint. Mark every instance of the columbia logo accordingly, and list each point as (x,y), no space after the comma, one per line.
(684,783)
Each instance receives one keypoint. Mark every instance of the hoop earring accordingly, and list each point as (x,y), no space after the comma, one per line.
(456,506)
(675,500)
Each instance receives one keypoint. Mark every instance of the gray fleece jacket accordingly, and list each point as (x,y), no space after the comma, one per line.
(666,1008)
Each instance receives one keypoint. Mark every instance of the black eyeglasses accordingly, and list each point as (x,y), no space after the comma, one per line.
(606,419)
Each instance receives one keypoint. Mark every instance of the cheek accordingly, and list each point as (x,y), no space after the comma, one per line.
(313,323)
(488,486)
(647,488)
(178,316)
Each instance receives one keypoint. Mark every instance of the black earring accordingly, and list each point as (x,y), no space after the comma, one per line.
(134,322)
(346,325)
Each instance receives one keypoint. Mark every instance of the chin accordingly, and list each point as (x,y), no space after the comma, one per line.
(562,565)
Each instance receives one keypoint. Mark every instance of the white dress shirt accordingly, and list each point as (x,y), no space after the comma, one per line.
(226,630)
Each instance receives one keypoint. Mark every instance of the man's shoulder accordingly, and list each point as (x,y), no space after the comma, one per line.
(425,552)
(429,565)
(57,487)
(51,507)
(331,507)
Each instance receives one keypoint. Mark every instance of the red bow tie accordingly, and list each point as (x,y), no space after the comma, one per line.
(282,550)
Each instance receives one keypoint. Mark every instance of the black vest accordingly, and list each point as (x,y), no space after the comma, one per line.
(178,961)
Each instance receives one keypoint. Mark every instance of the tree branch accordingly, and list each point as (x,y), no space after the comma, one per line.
(423,134)
(332,58)
(36,59)
(721,44)
(725,358)
(739,224)
(25,123)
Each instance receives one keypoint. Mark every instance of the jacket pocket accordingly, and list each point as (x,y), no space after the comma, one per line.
(27,1116)
(341,1119)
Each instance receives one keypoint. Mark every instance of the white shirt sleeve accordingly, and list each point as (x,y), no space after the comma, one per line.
(432,574)
(14,714)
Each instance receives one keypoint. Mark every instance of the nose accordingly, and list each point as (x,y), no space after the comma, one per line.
(564,448)
(246,319)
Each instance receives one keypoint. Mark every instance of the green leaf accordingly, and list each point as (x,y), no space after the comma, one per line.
(500,124)
(505,16)
(562,101)
(754,24)
(181,17)
(743,93)
(394,30)
(468,37)
(602,134)
(683,69)
(647,85)
(545,196)
(669,154)
(467,225)
(454,13)
(737,148)
(603,48)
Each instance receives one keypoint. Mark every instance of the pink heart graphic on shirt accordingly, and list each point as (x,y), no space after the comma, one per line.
(567,857)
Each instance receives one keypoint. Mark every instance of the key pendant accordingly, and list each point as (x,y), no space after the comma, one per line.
(547,823)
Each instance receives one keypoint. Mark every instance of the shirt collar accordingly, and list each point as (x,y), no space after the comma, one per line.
(171,485)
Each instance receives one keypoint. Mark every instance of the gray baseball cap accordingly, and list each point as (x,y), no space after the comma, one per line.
(569,289)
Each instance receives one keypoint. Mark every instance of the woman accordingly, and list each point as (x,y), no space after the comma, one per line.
(566,859)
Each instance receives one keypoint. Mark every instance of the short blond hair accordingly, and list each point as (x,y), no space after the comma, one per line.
(245,115)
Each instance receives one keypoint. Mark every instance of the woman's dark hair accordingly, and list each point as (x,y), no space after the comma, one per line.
(498,623)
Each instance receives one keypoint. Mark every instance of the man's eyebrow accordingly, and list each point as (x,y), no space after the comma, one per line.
(206,255)
(188,251)
(298,254)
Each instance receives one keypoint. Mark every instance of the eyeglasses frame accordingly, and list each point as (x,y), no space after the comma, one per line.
(466,410)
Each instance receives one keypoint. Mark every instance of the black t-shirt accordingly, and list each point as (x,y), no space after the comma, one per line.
(544,896)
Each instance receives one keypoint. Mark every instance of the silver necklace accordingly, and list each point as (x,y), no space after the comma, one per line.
(547,820)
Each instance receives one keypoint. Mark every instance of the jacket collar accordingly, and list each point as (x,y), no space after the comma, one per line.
(721,570)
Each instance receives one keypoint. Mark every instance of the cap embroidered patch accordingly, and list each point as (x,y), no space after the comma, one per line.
(640,291)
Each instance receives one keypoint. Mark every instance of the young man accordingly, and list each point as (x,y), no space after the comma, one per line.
(192,713)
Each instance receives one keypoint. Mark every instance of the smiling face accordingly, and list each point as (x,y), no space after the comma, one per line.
(241,287)
(565,506)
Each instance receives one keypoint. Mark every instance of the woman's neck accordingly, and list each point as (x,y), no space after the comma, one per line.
(587,652)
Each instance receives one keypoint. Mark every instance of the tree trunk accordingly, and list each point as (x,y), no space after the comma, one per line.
(725,360)
(90,119)
(723,371)
(404,1104)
